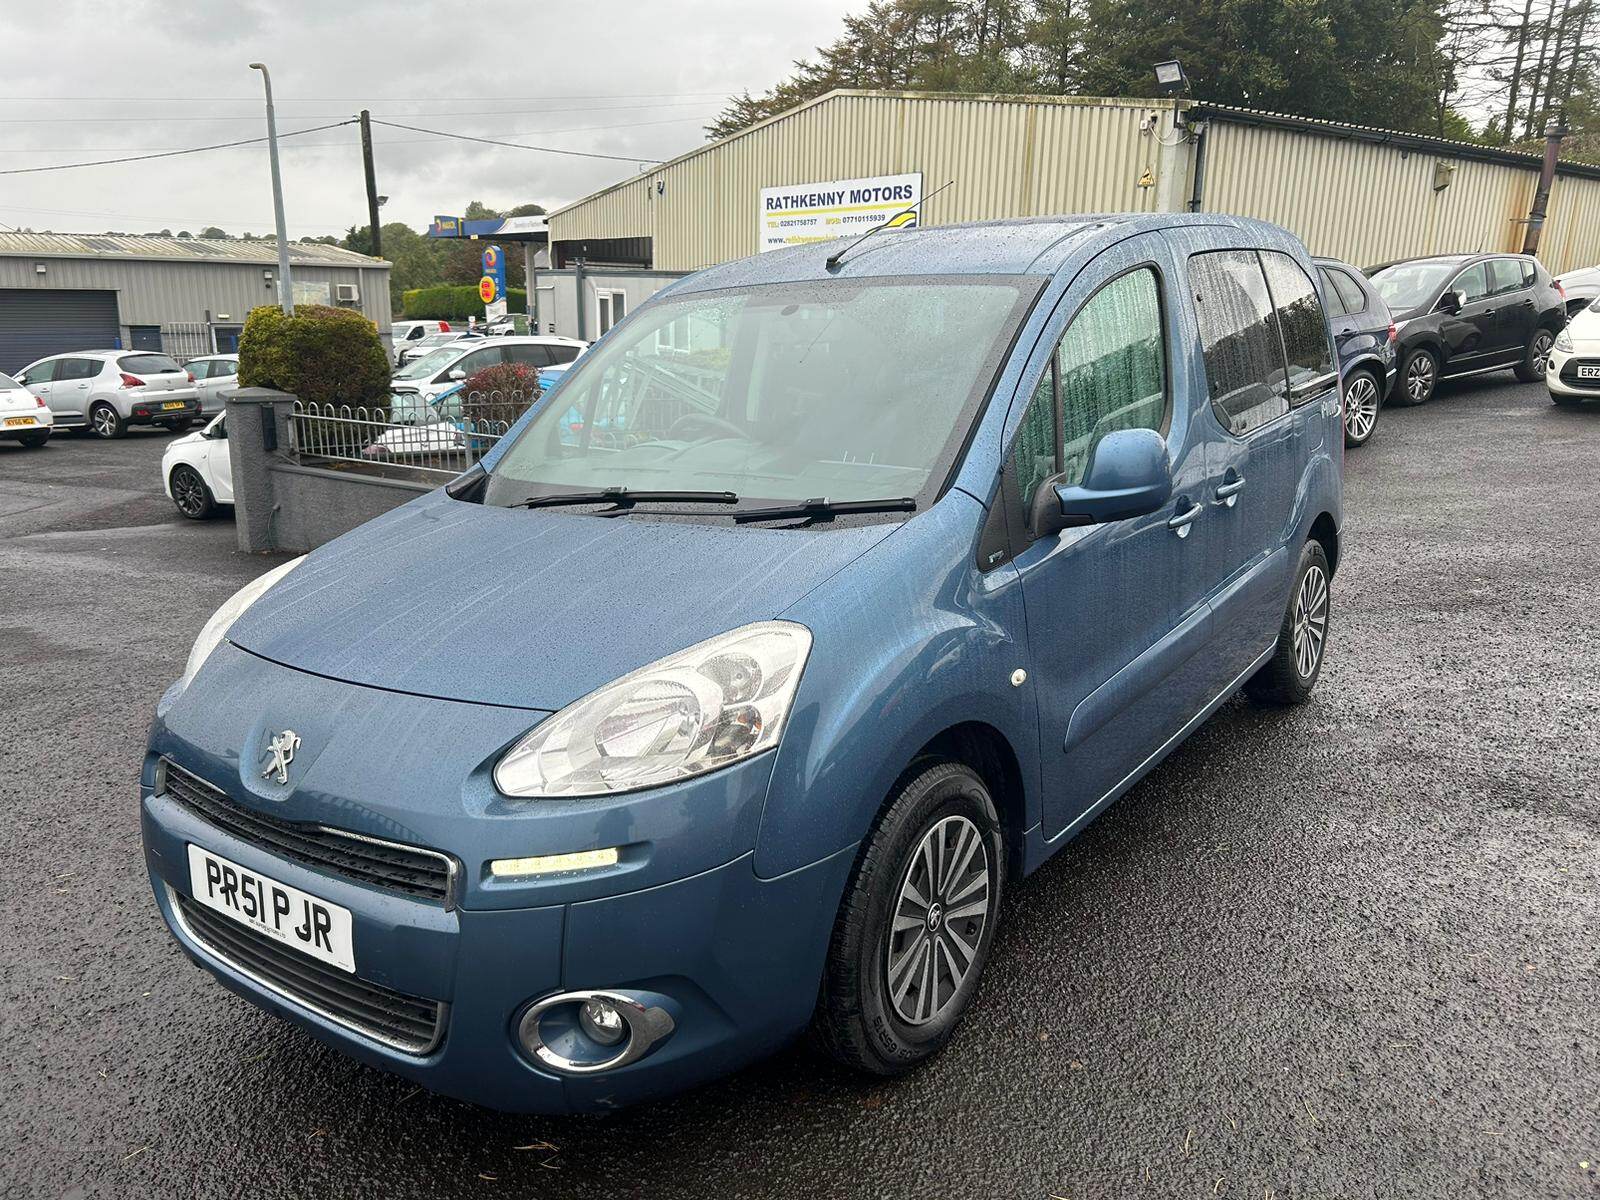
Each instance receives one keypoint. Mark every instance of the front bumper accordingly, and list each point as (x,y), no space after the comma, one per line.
(1561,375)
(735,958)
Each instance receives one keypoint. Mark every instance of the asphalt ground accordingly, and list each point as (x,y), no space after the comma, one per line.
(1350,950)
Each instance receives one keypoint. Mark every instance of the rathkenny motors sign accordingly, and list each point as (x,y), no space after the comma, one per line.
(816,212)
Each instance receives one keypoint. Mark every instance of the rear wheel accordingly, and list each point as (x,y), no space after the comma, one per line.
(34,440)
(915,925)
(1296,663)
(1418,375)
(190,493)
(1536,357)
(1362,400)
(106,421)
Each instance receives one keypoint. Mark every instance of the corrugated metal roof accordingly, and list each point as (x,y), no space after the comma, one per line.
(172,249)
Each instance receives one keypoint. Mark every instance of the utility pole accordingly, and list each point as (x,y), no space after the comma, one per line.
(285,291)
(1553,133)
(372,182)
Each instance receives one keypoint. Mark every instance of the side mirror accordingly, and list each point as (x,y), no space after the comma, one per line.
(456,374)
(1129,475)
(1450,303)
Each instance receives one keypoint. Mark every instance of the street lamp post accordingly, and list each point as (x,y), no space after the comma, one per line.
(285,291)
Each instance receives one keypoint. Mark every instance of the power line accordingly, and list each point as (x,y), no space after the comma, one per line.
(169,219)
(349,99)
(490,112)
(466,137)
(106,162)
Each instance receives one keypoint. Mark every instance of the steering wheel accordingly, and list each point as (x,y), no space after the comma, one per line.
(695,420)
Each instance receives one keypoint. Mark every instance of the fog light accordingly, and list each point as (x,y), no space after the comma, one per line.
(554,864)
(602,1022)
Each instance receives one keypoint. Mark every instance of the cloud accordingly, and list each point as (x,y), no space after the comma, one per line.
(634,79)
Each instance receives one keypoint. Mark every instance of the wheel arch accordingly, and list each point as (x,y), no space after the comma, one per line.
(987,751)
(1325,531)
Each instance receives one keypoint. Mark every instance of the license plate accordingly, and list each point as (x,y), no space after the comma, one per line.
(287,914)
(172,404)
(1589,372)
(10,421)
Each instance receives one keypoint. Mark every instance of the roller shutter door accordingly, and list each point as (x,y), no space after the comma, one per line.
(35,322)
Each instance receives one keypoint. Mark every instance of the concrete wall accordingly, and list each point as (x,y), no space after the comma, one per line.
(280,505)
(569,299)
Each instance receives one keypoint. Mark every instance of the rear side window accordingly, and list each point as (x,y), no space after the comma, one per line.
(562,354)
(1304,327)
(77,368)
(1351,298)
(148,364)
(1330,291)
(226,366)
(1528,272)
(1111,368)
(1244,358)
(1505,275)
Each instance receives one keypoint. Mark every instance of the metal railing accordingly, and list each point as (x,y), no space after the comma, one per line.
(433,441)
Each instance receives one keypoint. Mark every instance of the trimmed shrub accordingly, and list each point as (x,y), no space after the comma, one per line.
(499,394)
(454,302)
(323,355)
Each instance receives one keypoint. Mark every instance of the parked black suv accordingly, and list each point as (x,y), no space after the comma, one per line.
(1464,314)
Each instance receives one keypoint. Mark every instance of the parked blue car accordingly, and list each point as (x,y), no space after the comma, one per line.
(622,761)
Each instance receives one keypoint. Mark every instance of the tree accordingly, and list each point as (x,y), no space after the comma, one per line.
(211,231)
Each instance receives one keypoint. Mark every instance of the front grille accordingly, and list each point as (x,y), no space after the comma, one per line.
(1569,373)
(389,865)
(408,1023)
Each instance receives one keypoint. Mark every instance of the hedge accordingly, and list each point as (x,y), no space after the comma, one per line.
(323,355)
(454,302)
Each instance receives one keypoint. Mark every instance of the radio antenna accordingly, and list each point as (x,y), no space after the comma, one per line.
(837,256)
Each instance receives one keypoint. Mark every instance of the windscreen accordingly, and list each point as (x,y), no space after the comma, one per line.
(149,364)
(434,360)
(1406,285)
(843,390)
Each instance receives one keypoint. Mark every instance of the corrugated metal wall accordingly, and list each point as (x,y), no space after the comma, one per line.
(1009,156)
(154,292)
(1029,155)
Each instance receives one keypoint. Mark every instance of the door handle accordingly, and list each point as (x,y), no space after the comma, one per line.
(1347,331)
(1227,491)
(1527,304)
(1180,523)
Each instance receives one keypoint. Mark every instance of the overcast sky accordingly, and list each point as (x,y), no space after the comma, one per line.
(634,78)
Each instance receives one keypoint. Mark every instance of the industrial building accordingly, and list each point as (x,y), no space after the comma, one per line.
(182,296)
(841,162)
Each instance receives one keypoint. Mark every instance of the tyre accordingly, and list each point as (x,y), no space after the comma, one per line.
(34,440)
(1535,356)
(1363,397)
(1296,663)
(106,421)
(190,493)
(916,923)
(1418,376)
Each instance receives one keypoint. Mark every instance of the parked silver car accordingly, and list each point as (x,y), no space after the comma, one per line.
(108,390)
(213,373)
(1580,288)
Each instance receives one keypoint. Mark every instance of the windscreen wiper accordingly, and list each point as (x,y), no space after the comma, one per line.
(823,507)
(622,497)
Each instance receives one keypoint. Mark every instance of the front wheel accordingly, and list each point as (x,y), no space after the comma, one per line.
(1536,356)
(1418,375)
(1296,663)
(1361,402)
(190,493)
(916,923)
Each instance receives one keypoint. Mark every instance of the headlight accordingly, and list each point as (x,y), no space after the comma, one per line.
(1564,341)
(232,609)
(713,704)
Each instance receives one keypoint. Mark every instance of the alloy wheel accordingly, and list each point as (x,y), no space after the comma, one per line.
(105,422)
(1310,620)
(1539,358)
(188,492)
(1419,378)
(939,916)
(1360,407)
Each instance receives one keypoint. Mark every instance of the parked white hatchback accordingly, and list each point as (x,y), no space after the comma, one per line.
(212,374)
(108,390)
(24,417)
(1573,372)
(416,385)
(196,472)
